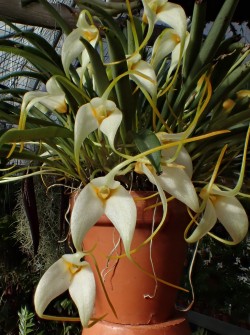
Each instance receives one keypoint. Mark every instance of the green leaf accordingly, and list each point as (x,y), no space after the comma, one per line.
(36,40)
(29,74)
(238,77)
(196,35)
(146,140)
(207,51)
(32,55)
(99,70)
(34,134)
(123,86)
(215,36)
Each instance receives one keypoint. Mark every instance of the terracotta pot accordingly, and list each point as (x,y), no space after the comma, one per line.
(137,298)
(177,326)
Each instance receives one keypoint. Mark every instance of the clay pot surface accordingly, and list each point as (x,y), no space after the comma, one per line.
(177,326)
(137,298)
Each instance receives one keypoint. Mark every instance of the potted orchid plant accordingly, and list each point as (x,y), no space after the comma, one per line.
(123,108)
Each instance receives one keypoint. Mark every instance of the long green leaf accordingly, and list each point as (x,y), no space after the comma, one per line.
(37,41)
(99,70)
(123,86)
(208,50)
(215,36)
(30,74)
(33,56)
(196,35)
(240,76)
(34,134)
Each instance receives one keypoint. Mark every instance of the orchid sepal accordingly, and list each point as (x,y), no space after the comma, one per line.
(71,273)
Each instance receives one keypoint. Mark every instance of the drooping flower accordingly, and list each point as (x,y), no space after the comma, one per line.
(73,47)
(71,273)
(103,195)
(174,180)
(145,76)
(166,12)
(164,45)
(178,155)
(53,99)
(225,208)
(98,113)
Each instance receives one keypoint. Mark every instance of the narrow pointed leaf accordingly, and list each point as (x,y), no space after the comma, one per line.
(99,70)
(35,134)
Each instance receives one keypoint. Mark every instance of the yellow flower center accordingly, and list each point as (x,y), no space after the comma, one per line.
(100,113)
(73,268)
(103,192)
(89,35)
(62,108)
(204,194)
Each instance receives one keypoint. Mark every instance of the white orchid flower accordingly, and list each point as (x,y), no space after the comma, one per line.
(164,45)
(225,208)
(71,273)
(177,54)
(53,99)
(174,180)
(103,195)
(168,42)
(145,76)
(166,12)
(73,47)
(179,155)
(97,114)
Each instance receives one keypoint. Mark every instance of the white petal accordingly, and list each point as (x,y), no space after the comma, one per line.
(110,125)
(147,70)
(85,123)
(85,62)
(154,180)
(88,208)
(164,45)
(207,222)
(173,15)
(175,57)
(75,259)
(72,48)
(54,282)
(183,158)
(176,182)
(52,102)
(232,215)
(120,208)
(109,115)
(52,87)
(82,290)
(148,12)
(106,181)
